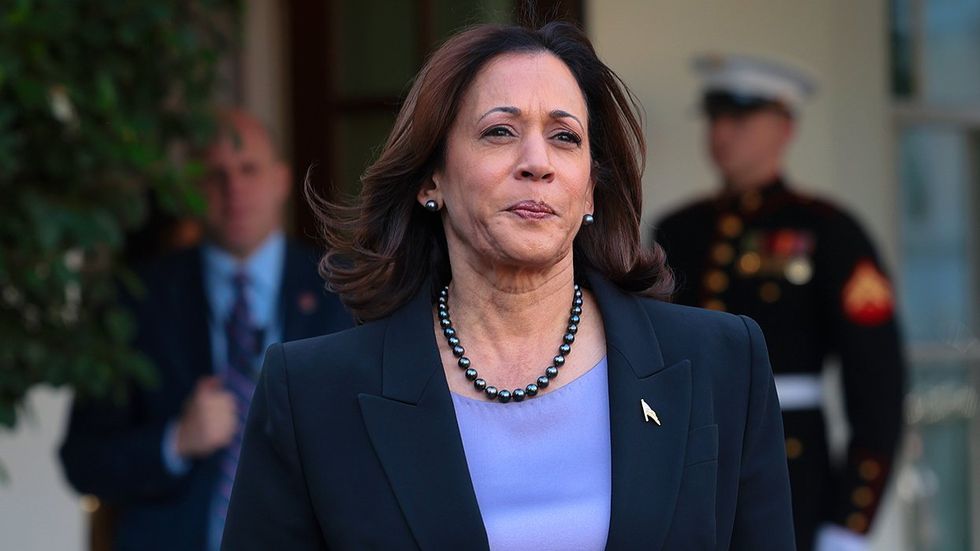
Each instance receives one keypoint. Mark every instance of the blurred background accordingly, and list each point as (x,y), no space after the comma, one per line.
(893,134)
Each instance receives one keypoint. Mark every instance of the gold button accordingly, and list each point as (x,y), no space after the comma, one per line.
(716,281)
(722,253)
(799,271)
(869,470)
(862,497)
(770,292)
(714,304)
(89,503)
(857,522)
(751,201)
(749,263)
(794,448)
(730,225)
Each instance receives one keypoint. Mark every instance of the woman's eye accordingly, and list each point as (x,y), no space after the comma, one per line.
(569,137)
(498,132)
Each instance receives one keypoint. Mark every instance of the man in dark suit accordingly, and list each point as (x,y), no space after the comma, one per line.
(166,459)
(808,273)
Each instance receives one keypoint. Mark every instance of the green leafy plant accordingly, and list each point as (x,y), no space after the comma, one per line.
(99,102)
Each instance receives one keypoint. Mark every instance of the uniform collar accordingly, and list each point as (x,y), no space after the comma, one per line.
(748,202)
(261,267)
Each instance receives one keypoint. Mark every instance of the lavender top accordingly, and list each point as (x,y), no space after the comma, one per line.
(541,468)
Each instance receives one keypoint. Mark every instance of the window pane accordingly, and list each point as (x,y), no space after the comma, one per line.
(901,48)
(951,52)
(377,47)
(451,15)
(359,140)
(935,487)
(939,298)
(938,294)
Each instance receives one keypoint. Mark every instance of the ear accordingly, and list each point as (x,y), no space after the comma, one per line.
(789,130)
(590,196)
(283,175)
(430,190)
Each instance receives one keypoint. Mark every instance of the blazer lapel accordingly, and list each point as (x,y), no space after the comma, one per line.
(647,458)
(191,319)
(413,429)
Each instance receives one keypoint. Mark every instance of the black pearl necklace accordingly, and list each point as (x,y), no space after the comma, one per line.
(518,394)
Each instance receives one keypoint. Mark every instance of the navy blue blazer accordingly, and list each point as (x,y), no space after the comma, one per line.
(115,452)
(352,440)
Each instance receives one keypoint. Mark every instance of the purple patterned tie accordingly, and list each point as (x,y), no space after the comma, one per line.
(244,345)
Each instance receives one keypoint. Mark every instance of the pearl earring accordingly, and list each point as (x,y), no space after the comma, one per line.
(431,205)
(587,220)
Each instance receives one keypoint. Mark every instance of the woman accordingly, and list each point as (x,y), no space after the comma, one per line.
(517,383)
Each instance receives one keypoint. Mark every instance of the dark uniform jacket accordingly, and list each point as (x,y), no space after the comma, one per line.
(807,272)
(352,440)
(115,452)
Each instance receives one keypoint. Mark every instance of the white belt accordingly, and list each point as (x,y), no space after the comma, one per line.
(799,391)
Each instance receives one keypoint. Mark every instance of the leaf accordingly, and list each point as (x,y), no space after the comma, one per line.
(119,325)
(106,92)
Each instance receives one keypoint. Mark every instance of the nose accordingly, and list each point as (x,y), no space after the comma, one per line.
(235,187)
(535,163)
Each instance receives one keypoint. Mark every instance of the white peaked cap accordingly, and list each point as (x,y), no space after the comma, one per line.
(755,77)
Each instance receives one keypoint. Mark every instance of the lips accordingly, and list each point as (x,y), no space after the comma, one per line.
(533,210)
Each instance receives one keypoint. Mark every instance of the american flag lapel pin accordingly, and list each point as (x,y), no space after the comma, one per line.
(306,302)
(648,413)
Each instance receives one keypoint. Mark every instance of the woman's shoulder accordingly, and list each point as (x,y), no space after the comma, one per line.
(727,352)
(351,356)
(718,341)
(675,321)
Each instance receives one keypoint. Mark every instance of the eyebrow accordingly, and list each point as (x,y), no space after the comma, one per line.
(511,110)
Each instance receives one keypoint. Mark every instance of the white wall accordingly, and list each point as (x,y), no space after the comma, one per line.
(843,149)
(38,512)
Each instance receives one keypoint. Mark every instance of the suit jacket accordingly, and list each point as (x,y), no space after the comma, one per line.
(114,452)
(352,440)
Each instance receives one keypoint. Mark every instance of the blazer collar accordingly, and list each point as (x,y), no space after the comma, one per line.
(628,328)
(413,428)
(647,457)
(188,297)
(299,301)
(411,352)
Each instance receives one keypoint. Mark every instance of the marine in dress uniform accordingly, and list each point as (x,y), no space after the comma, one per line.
(808,273)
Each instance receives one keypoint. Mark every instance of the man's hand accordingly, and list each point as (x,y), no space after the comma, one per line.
(209,421)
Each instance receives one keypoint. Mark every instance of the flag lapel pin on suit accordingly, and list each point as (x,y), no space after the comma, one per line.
(648,413)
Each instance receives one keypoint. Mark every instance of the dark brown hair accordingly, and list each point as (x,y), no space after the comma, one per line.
(385,247)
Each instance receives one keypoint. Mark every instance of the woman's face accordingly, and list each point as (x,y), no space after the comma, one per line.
(516,179)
